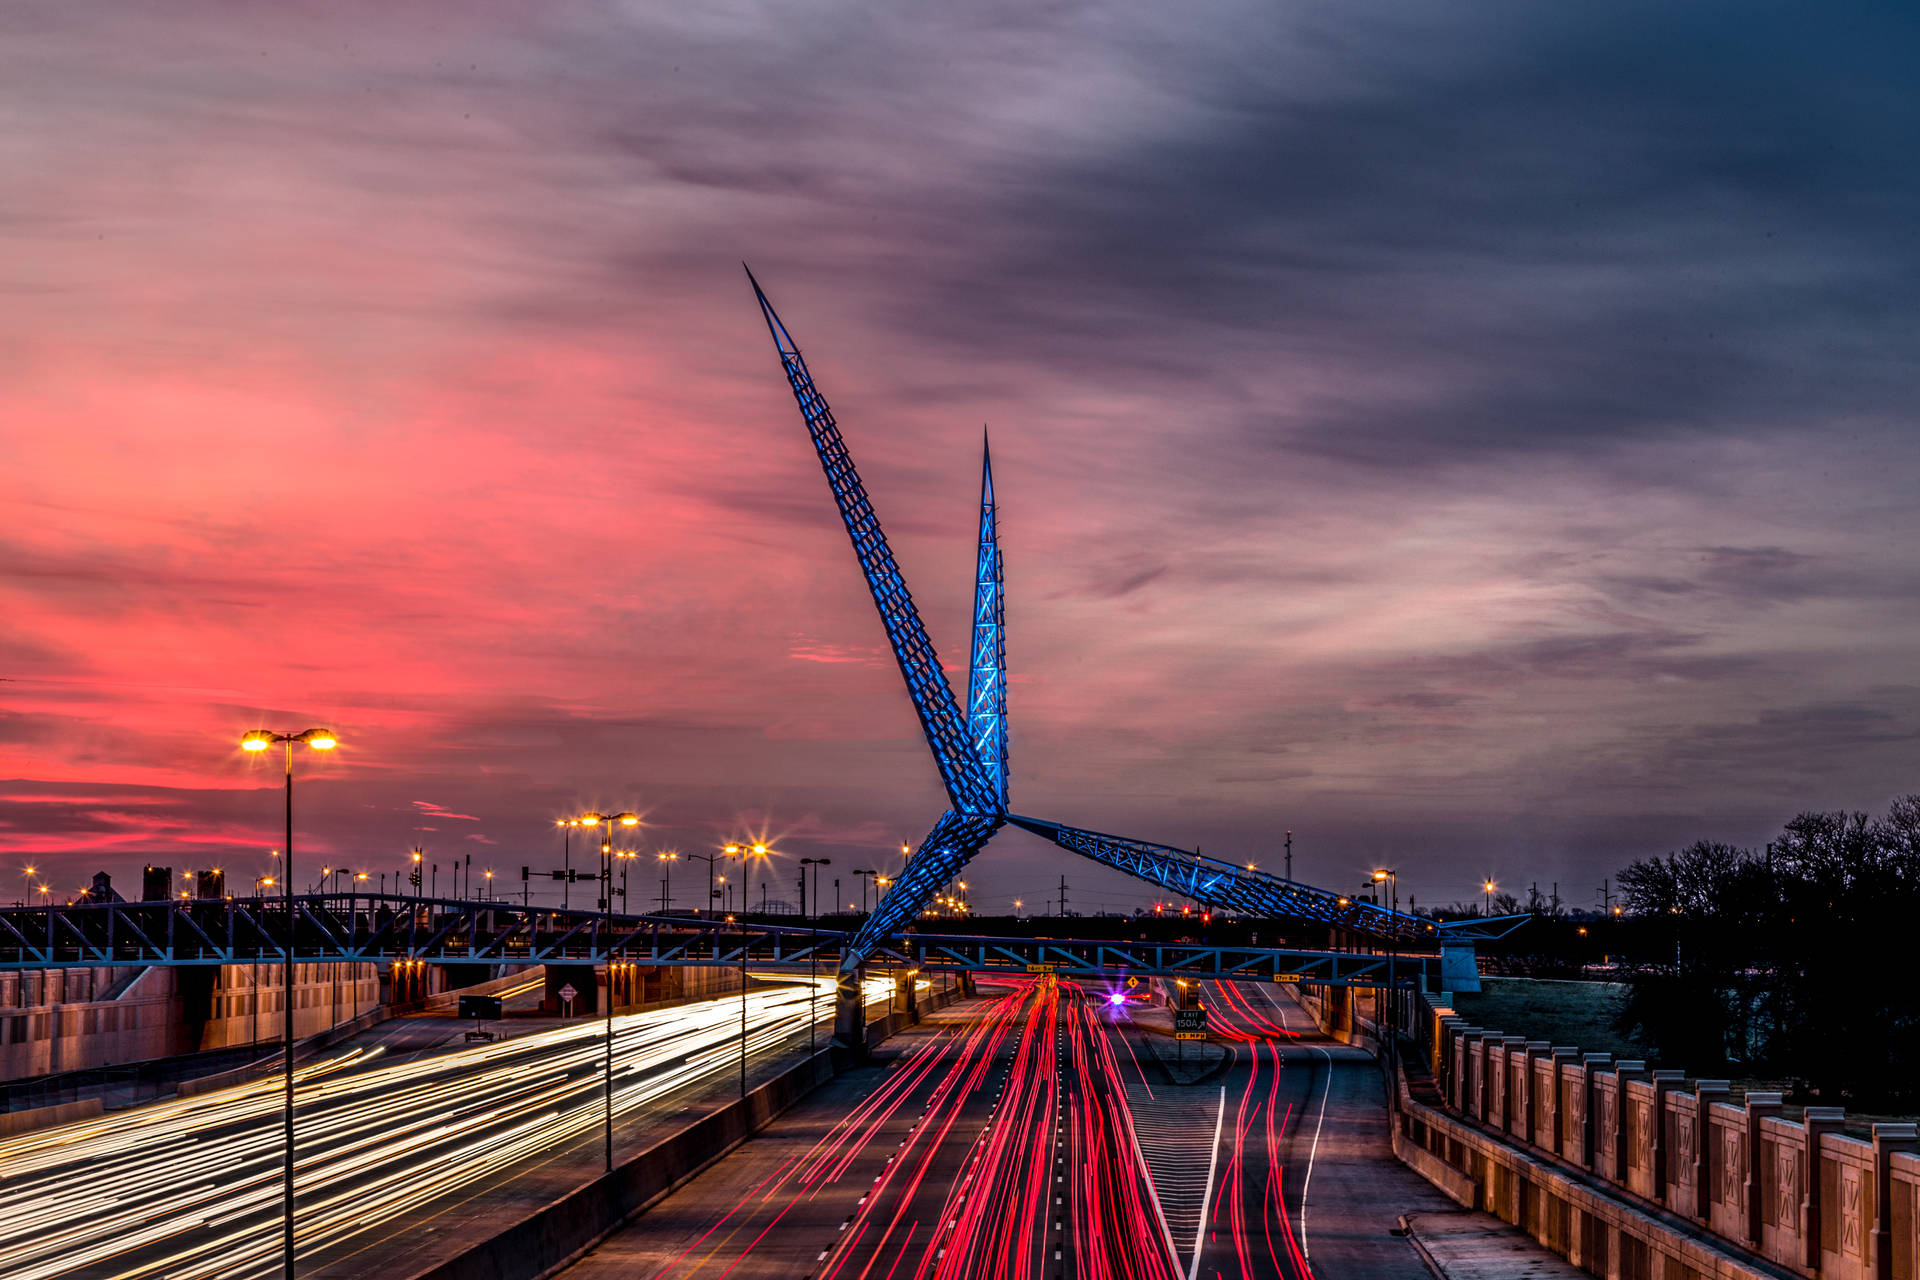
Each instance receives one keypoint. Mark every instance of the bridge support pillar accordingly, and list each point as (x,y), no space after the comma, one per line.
(1459,966)
(850,1010)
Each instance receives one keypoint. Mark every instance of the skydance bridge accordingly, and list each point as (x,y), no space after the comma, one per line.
(969,746)
(969,749)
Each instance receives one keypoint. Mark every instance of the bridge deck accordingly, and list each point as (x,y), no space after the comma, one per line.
(377,927)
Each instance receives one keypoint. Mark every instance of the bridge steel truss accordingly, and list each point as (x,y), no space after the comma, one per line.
(372,928)
(1236,889)
(927,685)
(970,749)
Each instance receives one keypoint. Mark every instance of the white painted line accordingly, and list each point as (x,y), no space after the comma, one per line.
(1308,1180)
(1213,1161)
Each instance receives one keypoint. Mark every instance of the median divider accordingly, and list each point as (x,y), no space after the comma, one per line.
(555,1236)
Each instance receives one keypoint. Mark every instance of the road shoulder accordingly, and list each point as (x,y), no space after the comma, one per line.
(1461,1245)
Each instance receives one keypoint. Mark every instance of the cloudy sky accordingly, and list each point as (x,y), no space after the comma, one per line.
(1474,438)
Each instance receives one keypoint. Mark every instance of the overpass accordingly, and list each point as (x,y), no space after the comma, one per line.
(373,927)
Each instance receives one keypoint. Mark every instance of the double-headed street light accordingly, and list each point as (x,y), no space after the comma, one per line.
(316,740)
(666,859)
(743,852)
(606,915)
(566,826)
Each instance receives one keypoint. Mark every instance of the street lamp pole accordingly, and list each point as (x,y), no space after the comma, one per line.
(667,860)
(813,938)
(606,917)
(1392,879)
(260,740)
(866,875)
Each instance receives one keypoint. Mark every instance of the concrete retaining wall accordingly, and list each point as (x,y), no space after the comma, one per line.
(1634,1174)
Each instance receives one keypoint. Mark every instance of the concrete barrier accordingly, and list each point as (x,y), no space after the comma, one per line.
(560,1232)
(12,1122)
(270,1064)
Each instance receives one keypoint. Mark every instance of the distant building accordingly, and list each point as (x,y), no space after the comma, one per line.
(101,890)
(156,884)
(211,884)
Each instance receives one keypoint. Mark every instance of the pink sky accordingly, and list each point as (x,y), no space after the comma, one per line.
(390,368)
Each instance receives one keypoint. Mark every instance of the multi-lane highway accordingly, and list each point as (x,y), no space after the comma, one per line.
(1031,1134)
(191,1188)
(1034,1132)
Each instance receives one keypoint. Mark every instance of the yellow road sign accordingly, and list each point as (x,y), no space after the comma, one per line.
(1034,968)
(1286,977)
(1189,1035)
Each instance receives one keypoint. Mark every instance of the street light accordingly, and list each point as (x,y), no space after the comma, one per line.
(1488,889)
(1392,880)
(666,860)
(743,852)
(566,826)
(866,875)
(606,917)
(256,741)
(813,940)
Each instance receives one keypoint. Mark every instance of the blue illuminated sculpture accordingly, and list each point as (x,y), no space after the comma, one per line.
(970,750)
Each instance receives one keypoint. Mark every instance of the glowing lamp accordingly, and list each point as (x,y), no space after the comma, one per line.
(258,740)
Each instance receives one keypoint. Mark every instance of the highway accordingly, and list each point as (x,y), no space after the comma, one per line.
(1032,1133)
(191,1188)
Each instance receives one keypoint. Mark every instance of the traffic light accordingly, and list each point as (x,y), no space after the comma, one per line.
(413,876)
(526,873)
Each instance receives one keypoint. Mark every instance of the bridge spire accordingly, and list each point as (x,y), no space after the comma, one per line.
(933,701)
(987,674)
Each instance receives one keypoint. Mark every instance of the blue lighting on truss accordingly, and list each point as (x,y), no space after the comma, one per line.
(970,750)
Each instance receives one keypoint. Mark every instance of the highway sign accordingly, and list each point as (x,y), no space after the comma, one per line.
(1286,977)
(568,994)
(1189,1035)
(1133,982)
(480,1006)
(1190,1020)
(1032,968)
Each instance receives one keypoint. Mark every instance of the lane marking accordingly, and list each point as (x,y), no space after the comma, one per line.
(1306,1182)
(1305,1252)
(1213,1161)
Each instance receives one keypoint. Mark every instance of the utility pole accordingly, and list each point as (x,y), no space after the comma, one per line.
(1289,855)
(1063,896)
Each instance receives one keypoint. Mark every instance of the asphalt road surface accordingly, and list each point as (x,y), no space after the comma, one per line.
(404,1153)
(1033,1133)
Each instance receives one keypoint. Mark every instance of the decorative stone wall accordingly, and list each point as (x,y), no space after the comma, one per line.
(1638,1175)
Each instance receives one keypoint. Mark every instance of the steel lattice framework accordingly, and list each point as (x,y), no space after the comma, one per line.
(920,667)
(970,751)
(374,928)
(987,674)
